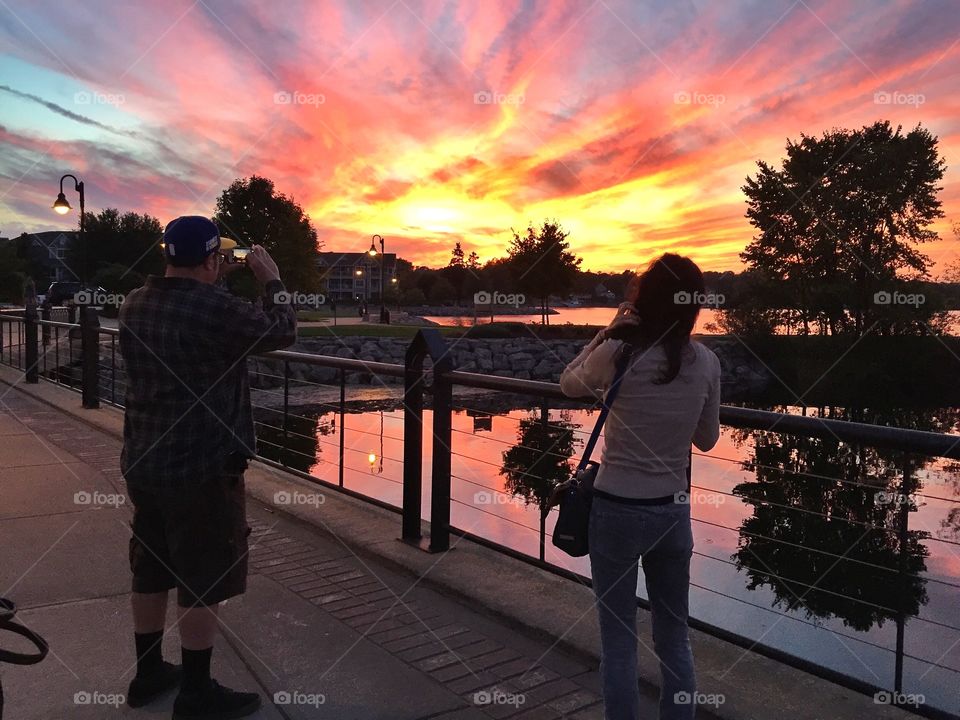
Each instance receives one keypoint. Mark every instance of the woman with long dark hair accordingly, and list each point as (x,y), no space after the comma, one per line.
(669,399)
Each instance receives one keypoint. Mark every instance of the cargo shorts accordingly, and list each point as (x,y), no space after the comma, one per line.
(194,540)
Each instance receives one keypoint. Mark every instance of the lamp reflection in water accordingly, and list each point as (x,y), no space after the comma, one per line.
(376,461)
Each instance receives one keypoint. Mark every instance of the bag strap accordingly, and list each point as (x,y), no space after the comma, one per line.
(606,403)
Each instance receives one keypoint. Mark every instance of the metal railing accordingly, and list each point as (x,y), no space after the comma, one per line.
(95,373)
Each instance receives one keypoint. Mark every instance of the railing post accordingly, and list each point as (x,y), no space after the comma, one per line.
(90,348)
(427,342)
(442,428)
(286,412)
(31,368)
(343,417)
(412,440)
(903,533)
(45,330)
(113,369)
(544,422)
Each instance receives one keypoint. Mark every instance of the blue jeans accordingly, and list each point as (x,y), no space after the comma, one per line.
(620,535)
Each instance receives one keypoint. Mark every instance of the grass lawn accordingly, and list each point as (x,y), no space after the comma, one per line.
(315,315)
(398,331)
(494,331)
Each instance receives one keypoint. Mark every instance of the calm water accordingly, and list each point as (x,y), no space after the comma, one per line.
(603,315)
(751,487)
(574,315)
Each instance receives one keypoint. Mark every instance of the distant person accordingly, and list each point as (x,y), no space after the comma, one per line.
(188,434)
(669,398)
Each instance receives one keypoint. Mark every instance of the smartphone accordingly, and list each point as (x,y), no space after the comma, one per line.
(240,254)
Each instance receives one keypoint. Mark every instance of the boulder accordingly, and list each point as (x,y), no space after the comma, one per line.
(522,361)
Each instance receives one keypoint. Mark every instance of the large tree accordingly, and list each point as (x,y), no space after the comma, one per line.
(13,273)
(252,211)
(842,220)
(456,272)
(542,265)
(122,247)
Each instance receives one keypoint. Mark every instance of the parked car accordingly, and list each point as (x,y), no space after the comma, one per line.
(60,293)
(63,293)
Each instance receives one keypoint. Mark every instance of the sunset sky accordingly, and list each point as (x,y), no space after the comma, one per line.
(632,123)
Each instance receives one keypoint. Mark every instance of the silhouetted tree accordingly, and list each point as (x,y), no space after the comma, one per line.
(113,241)
(542,265)
(456,272)
(13,273)
(252,211)
(841,221)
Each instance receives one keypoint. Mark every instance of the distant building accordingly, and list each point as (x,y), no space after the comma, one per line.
(601,292)
(355,275)
(45,253)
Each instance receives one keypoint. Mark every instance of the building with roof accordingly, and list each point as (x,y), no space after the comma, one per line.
(355,275)
(45,253)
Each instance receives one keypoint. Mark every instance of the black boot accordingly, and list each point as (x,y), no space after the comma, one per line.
(201,698)
(215,702)
(144,689)
(154,676)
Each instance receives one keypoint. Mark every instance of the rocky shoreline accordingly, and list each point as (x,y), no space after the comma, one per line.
(525,358)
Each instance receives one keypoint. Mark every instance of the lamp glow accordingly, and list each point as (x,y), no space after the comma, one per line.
(60,205)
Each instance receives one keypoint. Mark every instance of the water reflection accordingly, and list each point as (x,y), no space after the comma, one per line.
(950,525)
(299,446)
(824,536)
(816,499)
(540,458)
(793,505)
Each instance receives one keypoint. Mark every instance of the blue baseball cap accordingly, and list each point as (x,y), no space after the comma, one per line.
(189,239)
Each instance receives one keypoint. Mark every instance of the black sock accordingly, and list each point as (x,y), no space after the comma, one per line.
(149,652)
(196,669)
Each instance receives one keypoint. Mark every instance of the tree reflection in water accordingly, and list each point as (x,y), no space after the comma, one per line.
(540,459)
(301,448)
(816,499)
(950,525)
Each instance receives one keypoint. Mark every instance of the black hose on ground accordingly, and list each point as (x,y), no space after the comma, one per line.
(7,610)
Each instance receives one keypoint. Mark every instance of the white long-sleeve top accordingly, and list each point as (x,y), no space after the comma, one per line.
(651,426)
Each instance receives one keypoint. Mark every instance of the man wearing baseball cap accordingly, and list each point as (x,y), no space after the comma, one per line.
(188,434)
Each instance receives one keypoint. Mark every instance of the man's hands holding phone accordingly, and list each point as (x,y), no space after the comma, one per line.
(262,265)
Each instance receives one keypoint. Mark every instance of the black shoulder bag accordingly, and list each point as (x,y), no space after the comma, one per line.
(573,522)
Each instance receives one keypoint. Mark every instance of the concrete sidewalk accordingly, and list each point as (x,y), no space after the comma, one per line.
(321,633)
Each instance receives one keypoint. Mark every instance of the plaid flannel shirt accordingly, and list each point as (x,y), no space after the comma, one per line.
(184,344)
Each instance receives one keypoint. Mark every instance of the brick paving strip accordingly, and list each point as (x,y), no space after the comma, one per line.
(439,642)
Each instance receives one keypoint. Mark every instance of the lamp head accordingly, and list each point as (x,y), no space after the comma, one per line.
(60,205)
(372,252)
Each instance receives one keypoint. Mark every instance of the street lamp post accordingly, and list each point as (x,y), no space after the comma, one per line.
(363,295)
(372,252)
(62,207)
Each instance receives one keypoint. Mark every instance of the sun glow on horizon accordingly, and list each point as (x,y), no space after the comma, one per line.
(632,124)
